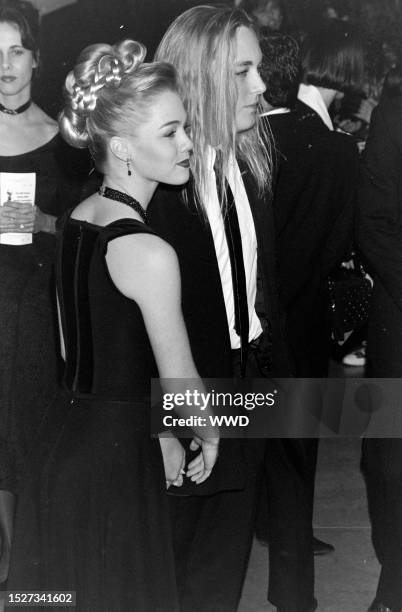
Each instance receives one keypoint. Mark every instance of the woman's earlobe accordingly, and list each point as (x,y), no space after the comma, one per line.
(118,147)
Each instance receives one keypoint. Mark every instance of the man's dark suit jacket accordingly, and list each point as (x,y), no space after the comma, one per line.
(316,172)
(203,303)
(202,297)
(380,235)
(314,198)
(380,238)
(224,532)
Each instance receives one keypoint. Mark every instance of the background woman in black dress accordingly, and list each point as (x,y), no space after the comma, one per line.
(29,143)
(93,517)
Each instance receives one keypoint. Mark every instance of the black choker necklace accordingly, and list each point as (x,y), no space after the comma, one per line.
(124,198)
(15,111)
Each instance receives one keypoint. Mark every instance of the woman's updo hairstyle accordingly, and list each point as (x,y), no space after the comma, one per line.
(26,18)
(109,93)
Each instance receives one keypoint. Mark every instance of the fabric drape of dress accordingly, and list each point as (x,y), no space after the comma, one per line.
(93,515)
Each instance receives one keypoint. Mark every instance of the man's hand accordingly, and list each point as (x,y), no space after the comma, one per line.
(201,467)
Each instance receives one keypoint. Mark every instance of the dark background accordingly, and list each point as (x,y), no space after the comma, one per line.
(68,30)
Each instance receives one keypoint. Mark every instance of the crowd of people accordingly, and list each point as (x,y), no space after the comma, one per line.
(183,218)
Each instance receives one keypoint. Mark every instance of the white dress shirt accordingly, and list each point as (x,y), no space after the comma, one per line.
(281,110)
(249,245)
(310,95)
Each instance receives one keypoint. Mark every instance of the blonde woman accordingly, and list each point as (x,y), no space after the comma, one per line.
(93,518)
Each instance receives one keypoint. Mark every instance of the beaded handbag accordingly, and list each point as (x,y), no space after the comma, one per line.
(350,290)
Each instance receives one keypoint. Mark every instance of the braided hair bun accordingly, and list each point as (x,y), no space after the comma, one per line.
(99,68)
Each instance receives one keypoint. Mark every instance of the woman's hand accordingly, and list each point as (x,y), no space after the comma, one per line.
(174,458)
(201,467)
(17,217)
(22,217)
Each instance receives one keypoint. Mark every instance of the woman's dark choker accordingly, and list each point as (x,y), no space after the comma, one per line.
(124,198)
(15,111)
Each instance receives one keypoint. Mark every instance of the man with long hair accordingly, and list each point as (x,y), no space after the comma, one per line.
(234,329)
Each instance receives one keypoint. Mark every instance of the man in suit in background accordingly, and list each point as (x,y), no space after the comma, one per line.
(315,169)
(380,238)
(222,230)
(314,199)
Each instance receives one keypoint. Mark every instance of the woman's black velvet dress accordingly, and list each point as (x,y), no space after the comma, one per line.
(29,349)
(93,517)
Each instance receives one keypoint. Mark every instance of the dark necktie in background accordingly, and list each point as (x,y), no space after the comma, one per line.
(233,238)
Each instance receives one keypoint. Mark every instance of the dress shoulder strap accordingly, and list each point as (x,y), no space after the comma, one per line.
(122,227)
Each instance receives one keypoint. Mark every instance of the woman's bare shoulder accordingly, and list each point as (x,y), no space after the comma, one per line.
(154,252)
(142,265)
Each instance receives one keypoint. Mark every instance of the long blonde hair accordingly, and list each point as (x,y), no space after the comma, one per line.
(200,44)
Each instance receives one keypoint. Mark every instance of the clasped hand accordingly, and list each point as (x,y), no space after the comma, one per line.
(21,217)
(174,458)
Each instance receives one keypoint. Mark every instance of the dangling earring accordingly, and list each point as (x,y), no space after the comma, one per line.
(128,167)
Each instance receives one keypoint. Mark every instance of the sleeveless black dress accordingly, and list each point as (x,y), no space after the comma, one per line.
(93,516)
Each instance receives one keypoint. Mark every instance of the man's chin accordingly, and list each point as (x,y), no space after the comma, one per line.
(245,127)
